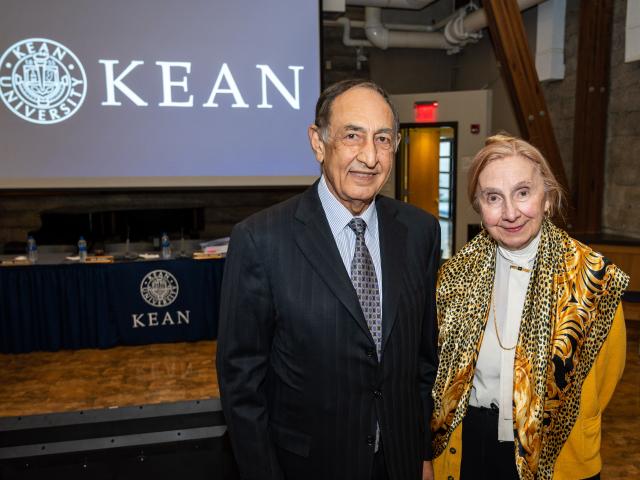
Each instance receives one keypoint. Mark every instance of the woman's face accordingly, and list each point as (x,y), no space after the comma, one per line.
(512,201)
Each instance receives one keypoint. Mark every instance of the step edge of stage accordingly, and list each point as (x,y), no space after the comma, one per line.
(104,443)
(129,412)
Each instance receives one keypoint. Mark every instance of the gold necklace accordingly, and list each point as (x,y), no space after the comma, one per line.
(495,321)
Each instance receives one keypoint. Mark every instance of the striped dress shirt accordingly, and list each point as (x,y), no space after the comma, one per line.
(339,217)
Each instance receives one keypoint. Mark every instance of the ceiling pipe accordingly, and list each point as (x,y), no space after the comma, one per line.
(456,34)
(463,28)
(346,34)
(406,4)
(346,24)
(391,26)
(478,20)
(383,38)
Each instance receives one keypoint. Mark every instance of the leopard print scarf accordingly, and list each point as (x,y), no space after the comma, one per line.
(568,310)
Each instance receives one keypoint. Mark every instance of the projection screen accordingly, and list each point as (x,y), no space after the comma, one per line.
(157,93)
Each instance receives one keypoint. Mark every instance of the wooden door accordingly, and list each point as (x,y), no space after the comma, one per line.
(423,154)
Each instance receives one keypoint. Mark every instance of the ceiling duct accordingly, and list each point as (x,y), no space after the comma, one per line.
(406,4)
(461,28)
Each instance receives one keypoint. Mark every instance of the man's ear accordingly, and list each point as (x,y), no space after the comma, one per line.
(317,145)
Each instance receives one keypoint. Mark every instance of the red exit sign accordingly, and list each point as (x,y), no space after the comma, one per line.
(425,112)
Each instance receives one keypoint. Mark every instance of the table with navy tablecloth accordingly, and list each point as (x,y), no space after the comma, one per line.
(70,306)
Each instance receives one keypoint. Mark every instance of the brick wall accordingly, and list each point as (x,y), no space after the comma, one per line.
(622,179)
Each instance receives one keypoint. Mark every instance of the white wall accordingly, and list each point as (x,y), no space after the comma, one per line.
(465,108)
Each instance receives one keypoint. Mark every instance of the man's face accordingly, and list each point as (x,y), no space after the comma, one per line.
(357,157)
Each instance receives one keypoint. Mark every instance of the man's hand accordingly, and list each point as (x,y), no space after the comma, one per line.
(427,470)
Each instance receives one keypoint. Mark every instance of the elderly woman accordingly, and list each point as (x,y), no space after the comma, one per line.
(532,337)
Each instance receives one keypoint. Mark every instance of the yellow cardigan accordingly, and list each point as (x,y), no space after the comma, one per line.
(580,455)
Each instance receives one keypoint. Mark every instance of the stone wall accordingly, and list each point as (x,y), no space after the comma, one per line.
(622,163)
(622,177)
(560,94)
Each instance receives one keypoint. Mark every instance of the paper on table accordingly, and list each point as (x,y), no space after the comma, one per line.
(215,243)
(221,249)
(148,256)
(73,258)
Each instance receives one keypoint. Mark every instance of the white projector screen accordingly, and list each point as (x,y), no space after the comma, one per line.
(157,93)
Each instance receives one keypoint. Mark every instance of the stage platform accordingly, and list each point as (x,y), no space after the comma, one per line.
(151,410)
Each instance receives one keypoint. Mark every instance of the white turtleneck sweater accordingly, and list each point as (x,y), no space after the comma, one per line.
(493,380)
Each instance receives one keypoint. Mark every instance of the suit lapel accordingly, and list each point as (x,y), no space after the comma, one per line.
(393,248)
(314,238)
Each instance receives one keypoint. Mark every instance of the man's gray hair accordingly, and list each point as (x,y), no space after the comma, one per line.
(323,106)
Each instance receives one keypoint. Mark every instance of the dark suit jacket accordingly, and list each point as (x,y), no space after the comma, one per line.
(300,382)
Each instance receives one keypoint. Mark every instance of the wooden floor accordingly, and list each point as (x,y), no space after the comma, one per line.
(621,420)
(72,380)
(43,382)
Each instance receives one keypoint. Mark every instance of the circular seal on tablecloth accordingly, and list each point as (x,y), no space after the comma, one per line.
(42,81)
(159,288)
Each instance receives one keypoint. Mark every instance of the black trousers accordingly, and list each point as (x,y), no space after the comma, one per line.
(296,465)
(483,456)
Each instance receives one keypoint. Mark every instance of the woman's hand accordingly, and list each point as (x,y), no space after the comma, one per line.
(427,470)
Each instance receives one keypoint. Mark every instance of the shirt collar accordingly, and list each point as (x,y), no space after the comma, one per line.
(525,256)
(339,216)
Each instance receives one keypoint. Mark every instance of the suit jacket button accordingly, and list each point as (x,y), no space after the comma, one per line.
(377,393)
(371,440)
(452,450)
(370,352)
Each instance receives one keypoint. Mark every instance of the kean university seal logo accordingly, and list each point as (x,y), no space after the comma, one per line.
(42,81)
(159,288)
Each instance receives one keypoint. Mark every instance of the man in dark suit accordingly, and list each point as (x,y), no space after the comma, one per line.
(327,339)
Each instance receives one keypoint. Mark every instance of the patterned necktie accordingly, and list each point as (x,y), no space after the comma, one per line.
(363,277)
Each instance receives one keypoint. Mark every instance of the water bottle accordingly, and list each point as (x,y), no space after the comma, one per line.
(165,246)
(32,250)
(82,249)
